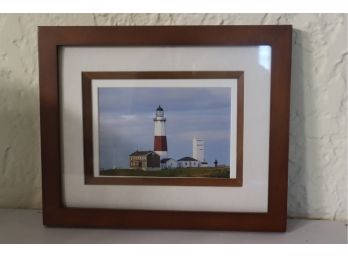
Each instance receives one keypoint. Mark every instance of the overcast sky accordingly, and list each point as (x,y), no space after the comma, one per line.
(126,122)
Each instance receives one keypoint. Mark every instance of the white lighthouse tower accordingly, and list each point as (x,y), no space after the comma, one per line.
(198,148)
(160,142)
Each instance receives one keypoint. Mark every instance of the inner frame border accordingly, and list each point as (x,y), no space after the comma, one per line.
(89,177)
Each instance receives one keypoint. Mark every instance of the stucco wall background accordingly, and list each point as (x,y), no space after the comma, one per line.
(318,135)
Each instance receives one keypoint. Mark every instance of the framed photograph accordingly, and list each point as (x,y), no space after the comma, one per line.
(170,127)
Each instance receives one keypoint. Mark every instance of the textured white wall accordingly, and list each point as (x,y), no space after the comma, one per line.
(318,136)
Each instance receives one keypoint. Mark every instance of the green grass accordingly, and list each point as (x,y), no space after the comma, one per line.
(223,172)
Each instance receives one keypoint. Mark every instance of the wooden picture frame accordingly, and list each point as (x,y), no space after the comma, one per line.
(55,211)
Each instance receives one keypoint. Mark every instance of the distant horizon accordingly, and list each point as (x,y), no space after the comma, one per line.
(126,122)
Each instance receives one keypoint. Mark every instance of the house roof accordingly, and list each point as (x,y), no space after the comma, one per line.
(187,159)
(166,159)
(141,153)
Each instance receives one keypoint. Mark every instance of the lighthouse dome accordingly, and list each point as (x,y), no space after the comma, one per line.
(159,112)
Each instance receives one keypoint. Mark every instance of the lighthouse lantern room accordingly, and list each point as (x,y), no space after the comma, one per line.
(160,142)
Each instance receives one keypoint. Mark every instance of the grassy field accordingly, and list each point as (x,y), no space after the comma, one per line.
(179,172)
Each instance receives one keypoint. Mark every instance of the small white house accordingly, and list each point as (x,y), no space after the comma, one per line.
(169,163)
(188,162)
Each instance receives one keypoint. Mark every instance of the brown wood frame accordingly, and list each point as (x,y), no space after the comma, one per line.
(55,213)
(87,78)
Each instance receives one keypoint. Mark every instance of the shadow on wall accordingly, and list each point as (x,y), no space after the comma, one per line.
(20,177)
(299,168)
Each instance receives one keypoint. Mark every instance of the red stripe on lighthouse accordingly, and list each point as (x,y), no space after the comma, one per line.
(160,143)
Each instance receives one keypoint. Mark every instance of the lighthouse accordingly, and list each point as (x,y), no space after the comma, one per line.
(198,149)
(160,142)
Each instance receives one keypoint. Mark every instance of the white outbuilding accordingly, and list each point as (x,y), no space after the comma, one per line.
(188,162)
(203,164)
(169,163)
